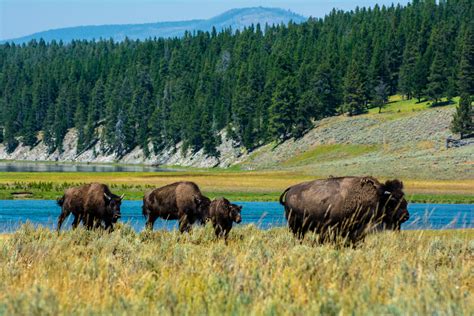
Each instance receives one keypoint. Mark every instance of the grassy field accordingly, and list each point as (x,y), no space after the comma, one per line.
(398,107)
(236,185)
(257,273)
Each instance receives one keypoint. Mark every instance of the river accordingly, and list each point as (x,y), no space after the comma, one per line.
(9,166)
(264,215)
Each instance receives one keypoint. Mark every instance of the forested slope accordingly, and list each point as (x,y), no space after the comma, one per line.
(256,85)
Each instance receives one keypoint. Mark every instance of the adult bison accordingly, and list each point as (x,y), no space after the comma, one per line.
(180,200)
(93,203)
(347,206)
(222,214)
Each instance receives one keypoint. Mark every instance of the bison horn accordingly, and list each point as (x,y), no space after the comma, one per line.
(121,197)
(107,197)
(387,192)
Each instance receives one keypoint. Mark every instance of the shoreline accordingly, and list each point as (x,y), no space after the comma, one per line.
(239,186)
(242,197)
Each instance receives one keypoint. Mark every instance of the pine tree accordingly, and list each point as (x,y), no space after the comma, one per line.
(354,90)
(437,79)
(29,130)
(419,78)
(11,143)
(282,109)
(407,70)
(80,117)
(463,117)
(466,65)
(59,127)
(462,120)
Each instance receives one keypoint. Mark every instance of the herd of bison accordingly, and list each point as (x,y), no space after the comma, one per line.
(345,207)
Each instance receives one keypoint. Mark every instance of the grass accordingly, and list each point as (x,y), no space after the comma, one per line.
(398,107)
(257,273)
(329,152)
(237,186)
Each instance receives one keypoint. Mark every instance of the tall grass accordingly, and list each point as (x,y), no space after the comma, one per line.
(258,272)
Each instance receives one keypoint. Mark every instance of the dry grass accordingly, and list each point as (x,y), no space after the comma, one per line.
(220,181)
(257,273)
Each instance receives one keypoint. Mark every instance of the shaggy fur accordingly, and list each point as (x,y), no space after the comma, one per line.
(180,200)
(222,214)
(91,203)
(344,206)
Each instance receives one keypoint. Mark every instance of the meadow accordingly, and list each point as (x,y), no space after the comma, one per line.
(234,184)
(261,272)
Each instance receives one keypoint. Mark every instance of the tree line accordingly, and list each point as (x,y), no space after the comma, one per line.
(260,84)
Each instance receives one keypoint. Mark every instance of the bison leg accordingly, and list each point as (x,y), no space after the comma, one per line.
(150,221)
(89,221)
(108,225)
(218,230)
(64,214)
(76,221)
(184,225)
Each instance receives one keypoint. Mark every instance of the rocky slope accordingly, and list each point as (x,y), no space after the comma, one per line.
(412,145)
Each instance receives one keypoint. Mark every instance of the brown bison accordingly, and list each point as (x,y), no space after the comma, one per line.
(181,200)
(93,203)
(346,207)
(222,214)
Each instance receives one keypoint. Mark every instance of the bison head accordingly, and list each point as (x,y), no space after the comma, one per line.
(113,204)
(202,207)
(395,204)
(234,213)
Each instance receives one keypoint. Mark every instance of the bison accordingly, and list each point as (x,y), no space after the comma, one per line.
(222,214)
(180,200)
(93,203)
(345,206)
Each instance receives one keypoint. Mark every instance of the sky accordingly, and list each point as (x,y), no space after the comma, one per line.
(23,17)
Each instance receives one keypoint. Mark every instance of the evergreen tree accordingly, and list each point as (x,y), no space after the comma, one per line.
(282,114)
(462,120)
(29,127)
(437,78)
(466,65)
(463,117)
(354,90)
(11,143)
(258,85)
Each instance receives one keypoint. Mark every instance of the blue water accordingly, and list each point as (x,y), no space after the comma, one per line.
(263,214)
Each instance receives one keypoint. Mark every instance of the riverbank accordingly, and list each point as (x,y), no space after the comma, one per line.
(264,272)
(407,140)
(235,185)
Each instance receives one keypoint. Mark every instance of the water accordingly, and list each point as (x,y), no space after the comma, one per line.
(7,166)
(263,214)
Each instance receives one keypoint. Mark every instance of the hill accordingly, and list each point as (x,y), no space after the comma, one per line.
(406,140)
(229,98)
(236,19)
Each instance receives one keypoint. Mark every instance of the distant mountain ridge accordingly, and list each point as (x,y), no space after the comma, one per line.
(235,18)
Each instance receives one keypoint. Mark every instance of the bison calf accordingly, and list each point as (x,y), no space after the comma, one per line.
(93,203)
(222,214)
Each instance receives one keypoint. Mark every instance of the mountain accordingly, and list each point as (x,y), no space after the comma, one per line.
(235,18)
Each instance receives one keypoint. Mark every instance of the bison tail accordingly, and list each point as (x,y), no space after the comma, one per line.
(60,201)
(283,195)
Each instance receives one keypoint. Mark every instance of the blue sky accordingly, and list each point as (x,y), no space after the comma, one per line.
(23,17)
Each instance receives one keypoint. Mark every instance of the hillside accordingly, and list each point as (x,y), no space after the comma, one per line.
(406,140)
(236,19)
(257,86)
